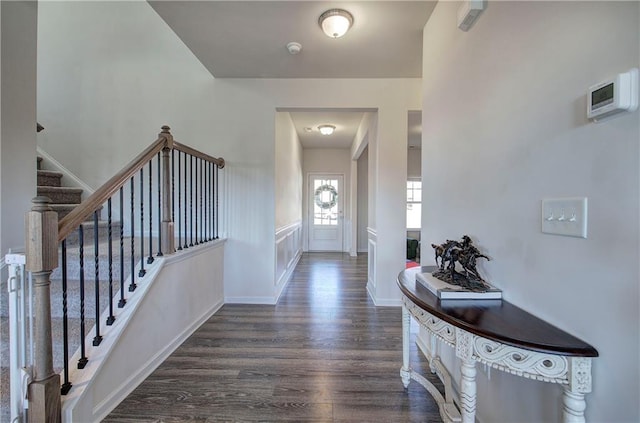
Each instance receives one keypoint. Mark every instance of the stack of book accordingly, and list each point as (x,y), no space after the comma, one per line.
(446,291)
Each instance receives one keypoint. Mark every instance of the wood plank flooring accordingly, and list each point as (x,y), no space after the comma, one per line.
(324,353)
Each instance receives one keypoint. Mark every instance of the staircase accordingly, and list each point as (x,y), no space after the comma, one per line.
(63,199)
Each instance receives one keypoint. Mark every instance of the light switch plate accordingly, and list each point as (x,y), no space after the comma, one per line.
(565,216)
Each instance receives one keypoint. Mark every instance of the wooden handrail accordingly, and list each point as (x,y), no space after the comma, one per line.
(165,141)
(186,149)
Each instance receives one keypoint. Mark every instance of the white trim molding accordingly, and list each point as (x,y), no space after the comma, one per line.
(288,249)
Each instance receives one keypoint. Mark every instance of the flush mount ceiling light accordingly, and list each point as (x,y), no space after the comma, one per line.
(326,129)
(335,22)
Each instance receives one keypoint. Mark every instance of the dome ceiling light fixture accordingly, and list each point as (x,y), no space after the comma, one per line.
(335,22)
(326,129)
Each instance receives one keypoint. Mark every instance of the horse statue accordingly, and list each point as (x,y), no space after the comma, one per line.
(463,253)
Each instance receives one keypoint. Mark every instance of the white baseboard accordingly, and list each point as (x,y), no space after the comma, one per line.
(250,300)
(388,302)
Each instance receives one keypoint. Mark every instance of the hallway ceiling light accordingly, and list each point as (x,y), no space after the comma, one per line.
(326,129)
(335,22)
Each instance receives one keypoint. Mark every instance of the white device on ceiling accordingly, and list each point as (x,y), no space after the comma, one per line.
(613,96)
(468,13)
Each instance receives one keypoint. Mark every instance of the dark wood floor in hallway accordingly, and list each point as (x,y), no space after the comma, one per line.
(324,353)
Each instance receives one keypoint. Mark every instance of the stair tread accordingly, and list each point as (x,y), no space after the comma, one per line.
(59,189)
(63,206)
(49,173)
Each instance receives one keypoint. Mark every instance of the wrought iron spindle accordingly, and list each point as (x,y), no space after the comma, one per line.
(196,184)
(185,201)
(96,251)
(66,384)
(179,203)
(173,192)
(122,301)
(142,272)
(150,258)
(211,201)
(132,284)
(111,317)
(217,192)
(201,209)
(207,218)
(191,199)
(159,212)
(82,362)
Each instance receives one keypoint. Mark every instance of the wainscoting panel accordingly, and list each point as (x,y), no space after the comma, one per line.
(371,274)
(288,251)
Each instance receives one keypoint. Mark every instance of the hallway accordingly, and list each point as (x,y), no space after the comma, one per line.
(324,353)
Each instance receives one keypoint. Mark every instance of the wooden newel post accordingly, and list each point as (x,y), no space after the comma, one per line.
(168,236)
(41,225)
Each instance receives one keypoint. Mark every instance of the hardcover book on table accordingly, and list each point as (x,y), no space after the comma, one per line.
(445,291)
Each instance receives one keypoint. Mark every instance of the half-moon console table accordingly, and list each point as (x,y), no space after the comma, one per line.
(498,334)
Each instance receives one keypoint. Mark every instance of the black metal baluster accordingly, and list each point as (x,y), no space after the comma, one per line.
(97,339)
(201,203)
(191,199)
(159,211)
(211,192)
(217,201)
(122,301)
(66,385)
(132,284)
(207,197)
(111,317)
(82,362)
(179,203)
(150,258)
(142,272)
(185,201)
(173,193)
(196,188)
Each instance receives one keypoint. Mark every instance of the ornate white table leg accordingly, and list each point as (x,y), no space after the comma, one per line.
(464,350)
(573,403)
(405,371)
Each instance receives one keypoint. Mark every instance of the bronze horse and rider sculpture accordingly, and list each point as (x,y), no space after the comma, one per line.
(465,254)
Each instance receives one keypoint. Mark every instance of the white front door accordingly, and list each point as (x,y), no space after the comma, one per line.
(325,212)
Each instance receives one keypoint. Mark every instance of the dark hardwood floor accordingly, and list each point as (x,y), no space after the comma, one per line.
(324,353)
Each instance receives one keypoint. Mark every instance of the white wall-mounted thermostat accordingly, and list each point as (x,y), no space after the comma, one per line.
(613,96)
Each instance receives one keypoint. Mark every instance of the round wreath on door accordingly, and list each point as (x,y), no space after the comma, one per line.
(326,196)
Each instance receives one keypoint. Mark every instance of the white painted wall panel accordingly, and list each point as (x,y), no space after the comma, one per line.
(504,107)
(288,171)
(363,200)
(17,134)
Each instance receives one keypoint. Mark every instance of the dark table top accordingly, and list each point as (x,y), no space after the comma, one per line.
(497,320)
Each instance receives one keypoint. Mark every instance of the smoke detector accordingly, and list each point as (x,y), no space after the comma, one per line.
(294,48)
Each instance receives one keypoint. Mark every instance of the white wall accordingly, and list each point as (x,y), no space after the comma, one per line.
(363,198)
(328,161)
(18,132)
(288,200)
(288,171)
(507,127)
(414,163)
